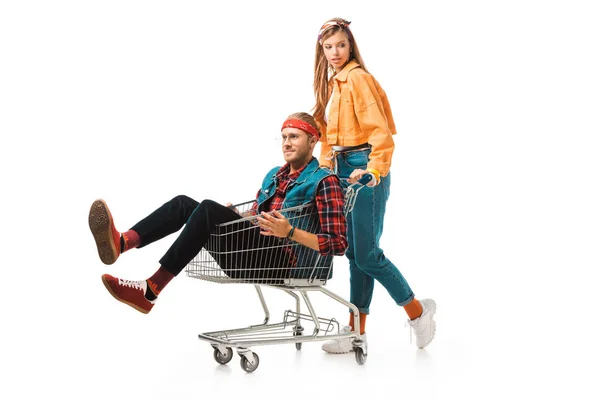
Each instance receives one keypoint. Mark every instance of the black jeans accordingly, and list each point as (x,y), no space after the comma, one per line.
(244,254)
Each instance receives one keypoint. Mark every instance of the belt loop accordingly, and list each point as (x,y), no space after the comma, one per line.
(333,157)
(335,161)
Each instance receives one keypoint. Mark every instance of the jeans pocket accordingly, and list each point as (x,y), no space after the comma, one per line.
(357,159)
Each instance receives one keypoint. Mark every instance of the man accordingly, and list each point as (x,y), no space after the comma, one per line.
(300,181)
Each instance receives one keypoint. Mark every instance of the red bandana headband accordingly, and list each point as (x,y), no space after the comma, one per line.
(298,124)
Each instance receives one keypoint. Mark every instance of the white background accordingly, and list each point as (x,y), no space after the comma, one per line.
(493,213)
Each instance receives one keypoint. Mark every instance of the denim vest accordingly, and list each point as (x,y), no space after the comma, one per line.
(300,192)
(303,191)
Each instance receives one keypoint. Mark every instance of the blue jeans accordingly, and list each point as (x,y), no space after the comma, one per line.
(237,257)
(365,226)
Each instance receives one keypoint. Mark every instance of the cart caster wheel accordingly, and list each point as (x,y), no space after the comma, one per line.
(360,356)
(298,332)
(223,358)
(246,365)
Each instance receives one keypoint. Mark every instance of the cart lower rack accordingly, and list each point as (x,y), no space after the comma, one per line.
(236,252)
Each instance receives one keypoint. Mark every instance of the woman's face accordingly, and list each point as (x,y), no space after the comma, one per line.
(337,50)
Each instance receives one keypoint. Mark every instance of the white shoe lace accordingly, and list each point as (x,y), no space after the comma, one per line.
(133,284)
(344,331)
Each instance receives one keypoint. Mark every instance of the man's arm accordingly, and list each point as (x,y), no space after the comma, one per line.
(330,206)
(277,225)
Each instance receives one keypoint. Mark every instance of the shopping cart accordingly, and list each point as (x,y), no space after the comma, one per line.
(236,252)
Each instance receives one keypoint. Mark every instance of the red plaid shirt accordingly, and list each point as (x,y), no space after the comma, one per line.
(330,206)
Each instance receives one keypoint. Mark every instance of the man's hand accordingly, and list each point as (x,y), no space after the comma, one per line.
(229,205)
(245,214)
(274,225)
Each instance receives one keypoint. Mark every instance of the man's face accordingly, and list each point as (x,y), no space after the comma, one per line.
(296,145)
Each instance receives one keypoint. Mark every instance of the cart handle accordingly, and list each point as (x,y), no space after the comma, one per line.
(366,179)
(254,217)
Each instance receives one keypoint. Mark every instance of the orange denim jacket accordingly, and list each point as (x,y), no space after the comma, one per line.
(359,113)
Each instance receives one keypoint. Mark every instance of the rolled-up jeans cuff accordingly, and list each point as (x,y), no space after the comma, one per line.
(361,310)
(403,303)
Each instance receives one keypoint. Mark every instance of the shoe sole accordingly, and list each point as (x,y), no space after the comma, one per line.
(351,350)
(107,286)
(433,309)
(101,226)
(338,352)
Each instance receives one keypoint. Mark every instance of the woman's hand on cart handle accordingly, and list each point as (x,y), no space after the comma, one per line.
(274,225)
(363,177)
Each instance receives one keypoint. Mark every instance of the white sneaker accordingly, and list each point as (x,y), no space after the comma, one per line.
(344,345)
(424,326)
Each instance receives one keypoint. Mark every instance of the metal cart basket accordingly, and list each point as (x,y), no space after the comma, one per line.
(236,252)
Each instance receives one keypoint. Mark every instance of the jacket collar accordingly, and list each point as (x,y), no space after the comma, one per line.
(305,172)
(342,76)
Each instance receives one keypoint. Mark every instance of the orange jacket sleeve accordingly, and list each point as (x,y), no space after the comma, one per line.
(371,108)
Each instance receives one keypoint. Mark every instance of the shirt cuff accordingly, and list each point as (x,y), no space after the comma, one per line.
(324,244)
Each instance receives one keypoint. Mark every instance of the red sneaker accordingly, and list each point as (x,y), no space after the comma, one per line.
(108,239)
(129,292)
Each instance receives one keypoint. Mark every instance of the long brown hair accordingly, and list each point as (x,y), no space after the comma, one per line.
(322,67)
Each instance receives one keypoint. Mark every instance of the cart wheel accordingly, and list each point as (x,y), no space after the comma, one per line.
(246,365)
(223,358)
(360,356)
(298,332)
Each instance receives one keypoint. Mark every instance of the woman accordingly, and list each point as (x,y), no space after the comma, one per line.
(353,110)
